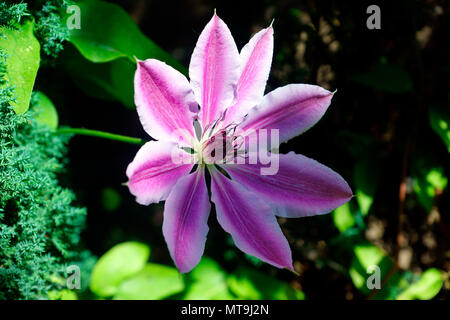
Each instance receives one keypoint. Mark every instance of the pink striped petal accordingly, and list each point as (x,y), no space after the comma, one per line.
(214,70)
(250,222)
(153,172)
(301,187)
(165,102)
(256,59)
(185,220)
(291,109)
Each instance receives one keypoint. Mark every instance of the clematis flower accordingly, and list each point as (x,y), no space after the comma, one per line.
(225,100)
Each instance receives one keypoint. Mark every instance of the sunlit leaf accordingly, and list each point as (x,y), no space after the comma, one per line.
(429,285)
(370,259)
(428,177)
(153,282)
(254,285)
(45,110)
(343,218)
(368,254)
(65,294)
(440,122)
(366,175)
(22,49)
(119,263)
(207,281)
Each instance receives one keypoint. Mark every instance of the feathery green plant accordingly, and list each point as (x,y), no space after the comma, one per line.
(39,226)
(50,29)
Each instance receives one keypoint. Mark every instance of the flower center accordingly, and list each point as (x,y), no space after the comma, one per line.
(218,146)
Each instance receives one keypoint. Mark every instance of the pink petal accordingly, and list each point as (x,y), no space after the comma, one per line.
(214,70)
(185,220)
(256,59)
(250,222)
(301,187)
(291,109)
(165,102)
(153,172)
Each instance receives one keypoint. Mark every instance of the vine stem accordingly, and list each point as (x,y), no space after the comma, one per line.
(100,134)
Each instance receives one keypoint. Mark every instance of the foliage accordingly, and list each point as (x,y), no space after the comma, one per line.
(123,273)
(22,49)
(50,28)
(108,44)
(46,113)
(116,265)
(39,226)
(10,15)
(440,122)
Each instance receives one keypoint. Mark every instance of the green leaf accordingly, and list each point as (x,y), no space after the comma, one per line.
(119,263)
(366,256)
(207,282)
(366,174)
(108,32)
(65,294)
(429,285)
(111,199)
(153,282)
(387,78)
(428,176)
(45,110)
(440,122)
(343,218)
(108,81)
(109,40)
(254,285)
(23,62)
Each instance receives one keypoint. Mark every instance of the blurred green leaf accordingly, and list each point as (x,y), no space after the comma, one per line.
(343,217)
(366,174)
(254,285)
(22,63)
(153,282)
(386,77)
(110,199)
(119,263)
(45,110)
(354,143)
(207,282)
(108,32)
(440,122)
(65,294)
(368,255)
(428,177)
(429,285)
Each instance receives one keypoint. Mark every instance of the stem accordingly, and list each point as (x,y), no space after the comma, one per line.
(100,134)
